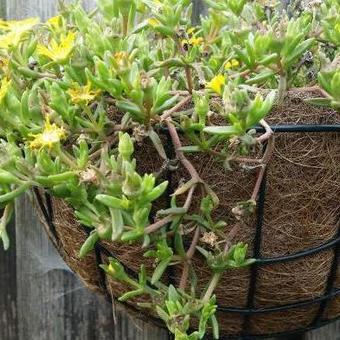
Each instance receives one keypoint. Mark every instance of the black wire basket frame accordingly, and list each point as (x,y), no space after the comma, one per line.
(330,292)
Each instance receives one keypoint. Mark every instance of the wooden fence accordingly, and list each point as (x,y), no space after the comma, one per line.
(40,297)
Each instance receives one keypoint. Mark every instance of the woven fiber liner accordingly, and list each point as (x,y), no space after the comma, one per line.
(301,212)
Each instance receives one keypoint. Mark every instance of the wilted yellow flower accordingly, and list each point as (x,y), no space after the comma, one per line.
(120,57)
(216,84)
(121,61)
(82,94)
(232,64)
(4,63)
(51,136)
(5,85)
(15,31)
(58,52)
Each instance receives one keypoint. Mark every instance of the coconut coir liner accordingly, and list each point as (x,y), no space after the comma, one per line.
(302,209)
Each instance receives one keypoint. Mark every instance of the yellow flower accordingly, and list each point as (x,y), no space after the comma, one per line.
(54,22)
(153,22)
(15,31)
(5,85)
(191,30)
(58,52)
(192,42)
(231,64)
(216,84)
(7,40)
(18,26)
(51,136)
(82,94)
(196,41)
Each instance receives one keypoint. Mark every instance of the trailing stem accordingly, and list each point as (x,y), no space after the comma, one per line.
(216,277)
(177,107)
(180,155)
(269,137)
(189,255)
(282,89)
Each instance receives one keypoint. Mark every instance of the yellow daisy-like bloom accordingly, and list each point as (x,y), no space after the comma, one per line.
(233,63)
(5,85)
(192,41)
(51,136)
(82,94)
(15,31)
(58,52)
(54,22)
(18,26)
(196,41)
(216,84)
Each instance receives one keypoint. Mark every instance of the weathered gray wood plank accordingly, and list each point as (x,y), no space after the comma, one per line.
(198,9)
(329,332)
(36,8)
(53,304)
(8,289)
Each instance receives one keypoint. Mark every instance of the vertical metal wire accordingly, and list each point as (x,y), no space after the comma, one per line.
(330,281)
(257,254)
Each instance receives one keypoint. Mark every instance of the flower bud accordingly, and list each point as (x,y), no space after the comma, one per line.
(132,185)
(125,146)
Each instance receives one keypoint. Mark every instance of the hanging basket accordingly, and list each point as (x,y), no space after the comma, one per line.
(295,283)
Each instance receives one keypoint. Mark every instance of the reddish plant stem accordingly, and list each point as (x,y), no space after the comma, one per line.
(187,68)
(188,75)
(195,176)
(180,155)
(246,160)
(157,225)
(178,106)
(217,276)
(110,141)
(161,223)
(188,200)
(189,255)
(268,135)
